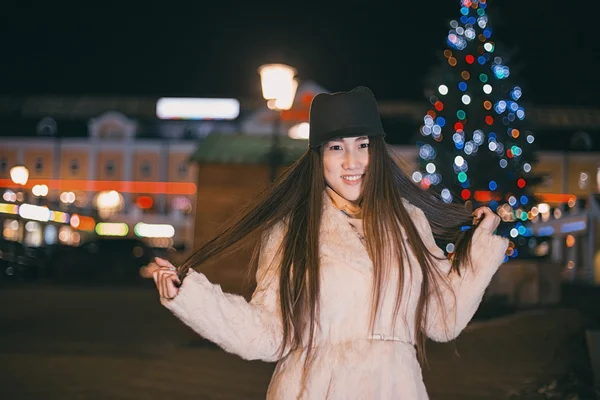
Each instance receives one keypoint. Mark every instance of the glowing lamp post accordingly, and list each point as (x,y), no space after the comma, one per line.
(279,89)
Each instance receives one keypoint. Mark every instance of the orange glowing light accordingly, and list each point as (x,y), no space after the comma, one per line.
(486,196)
(82,222)
(555,198)
(570,240)
(99,186)
(482,196)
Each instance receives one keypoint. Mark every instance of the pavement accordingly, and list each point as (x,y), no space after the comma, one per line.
(119,343)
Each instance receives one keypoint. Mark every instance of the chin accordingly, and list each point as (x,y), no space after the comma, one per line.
(352,198)
(350,194)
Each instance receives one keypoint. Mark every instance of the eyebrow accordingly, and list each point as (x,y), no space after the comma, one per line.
(356,140)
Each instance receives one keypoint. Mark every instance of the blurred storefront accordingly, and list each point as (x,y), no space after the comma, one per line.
(574,238)
(110,176)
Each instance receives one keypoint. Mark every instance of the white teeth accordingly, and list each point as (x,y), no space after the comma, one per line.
(351,177)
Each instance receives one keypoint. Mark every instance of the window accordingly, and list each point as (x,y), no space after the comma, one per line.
(39,165)
(183,169)
(74,167)
(146,169)
(583,180)
(110,168)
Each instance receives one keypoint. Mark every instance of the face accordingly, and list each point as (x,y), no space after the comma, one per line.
(345,164)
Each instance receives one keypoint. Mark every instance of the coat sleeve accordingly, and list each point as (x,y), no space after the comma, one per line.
(461,294)
(252,330)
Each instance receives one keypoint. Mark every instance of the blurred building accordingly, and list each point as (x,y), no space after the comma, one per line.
(110,176)
(101,172)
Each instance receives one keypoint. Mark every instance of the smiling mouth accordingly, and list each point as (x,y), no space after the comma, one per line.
(351,179)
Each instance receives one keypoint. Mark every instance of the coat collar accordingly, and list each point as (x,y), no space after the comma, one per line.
(350,209)
(338,239)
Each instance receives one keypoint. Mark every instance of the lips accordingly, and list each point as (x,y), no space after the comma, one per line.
(352,180)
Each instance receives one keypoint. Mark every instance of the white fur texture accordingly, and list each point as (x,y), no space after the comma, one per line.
(346,364)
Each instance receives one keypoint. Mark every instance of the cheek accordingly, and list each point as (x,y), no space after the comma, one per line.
(329,169)
(329,174)
(365,159)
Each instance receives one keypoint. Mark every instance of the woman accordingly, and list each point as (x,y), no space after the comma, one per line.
(350,281)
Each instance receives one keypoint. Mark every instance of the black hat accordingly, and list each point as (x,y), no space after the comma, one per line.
(343,114)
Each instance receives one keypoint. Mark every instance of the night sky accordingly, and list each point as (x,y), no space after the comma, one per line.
(214,49)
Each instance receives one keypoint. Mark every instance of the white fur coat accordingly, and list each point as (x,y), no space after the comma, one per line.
(349,363)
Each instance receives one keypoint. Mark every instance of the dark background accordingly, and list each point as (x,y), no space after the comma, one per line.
(214,48)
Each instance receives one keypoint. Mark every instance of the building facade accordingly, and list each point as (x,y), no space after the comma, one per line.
(152,179)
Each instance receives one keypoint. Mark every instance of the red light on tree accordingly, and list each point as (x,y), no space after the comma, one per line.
(458,126)
(470,59)
(489,120)
(521,183)
(439,105)
(425,183)
(465,194)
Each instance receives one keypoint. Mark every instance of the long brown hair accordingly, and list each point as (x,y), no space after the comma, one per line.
(296,197)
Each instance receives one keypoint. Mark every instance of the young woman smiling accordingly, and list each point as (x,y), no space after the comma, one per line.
(350,281)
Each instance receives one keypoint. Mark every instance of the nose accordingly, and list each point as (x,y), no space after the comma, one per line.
(350,161)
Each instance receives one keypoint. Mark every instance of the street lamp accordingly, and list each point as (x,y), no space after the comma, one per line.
(279,89)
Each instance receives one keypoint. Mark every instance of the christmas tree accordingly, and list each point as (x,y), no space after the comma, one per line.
(475,145)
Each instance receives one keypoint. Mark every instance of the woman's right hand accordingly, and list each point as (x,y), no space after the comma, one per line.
(165,277)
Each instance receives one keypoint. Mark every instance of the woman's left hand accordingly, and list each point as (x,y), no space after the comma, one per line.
(486,219)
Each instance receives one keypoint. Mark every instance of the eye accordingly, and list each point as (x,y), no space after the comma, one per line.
(364,145)
(335,147)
